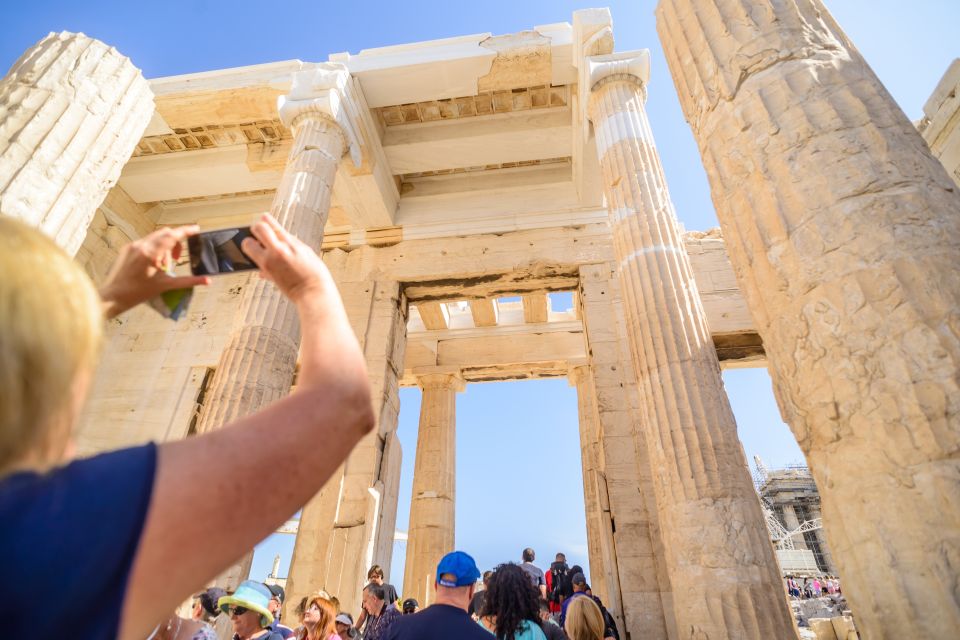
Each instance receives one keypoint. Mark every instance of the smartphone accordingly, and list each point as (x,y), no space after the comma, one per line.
(213,252)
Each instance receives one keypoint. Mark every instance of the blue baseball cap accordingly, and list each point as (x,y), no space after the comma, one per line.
(461,566)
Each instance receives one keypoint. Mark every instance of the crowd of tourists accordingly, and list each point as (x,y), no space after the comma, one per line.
(815,587)
(514,601)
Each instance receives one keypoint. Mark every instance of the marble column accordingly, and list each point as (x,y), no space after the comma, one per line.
(72,110)
(258,363)
(844,233)
(722,567)
(433,505)
(597,519)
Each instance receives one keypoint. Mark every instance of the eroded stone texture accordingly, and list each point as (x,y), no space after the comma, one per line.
(844,232)
(350,524)
(258,363)
(432,508)
(722,567)
(71,112)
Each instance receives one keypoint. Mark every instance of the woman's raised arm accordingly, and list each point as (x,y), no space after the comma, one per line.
(216,495)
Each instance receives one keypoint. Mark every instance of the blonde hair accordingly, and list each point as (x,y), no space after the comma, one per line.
(51,325)
(584,620)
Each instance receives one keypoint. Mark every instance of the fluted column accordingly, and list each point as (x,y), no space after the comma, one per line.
(259,361)
(582,379)
(721,563)
(433,506)
(844,232)
(72,110)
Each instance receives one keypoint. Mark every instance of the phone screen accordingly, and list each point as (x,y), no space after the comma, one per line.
(214,252)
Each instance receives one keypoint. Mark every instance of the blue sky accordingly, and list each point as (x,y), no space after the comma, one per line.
(518,474)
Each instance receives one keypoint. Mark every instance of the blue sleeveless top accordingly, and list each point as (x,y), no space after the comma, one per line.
(67,543)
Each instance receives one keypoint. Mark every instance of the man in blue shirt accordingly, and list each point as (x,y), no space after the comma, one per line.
(447,617)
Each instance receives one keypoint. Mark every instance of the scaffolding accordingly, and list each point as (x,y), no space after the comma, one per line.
(781,537)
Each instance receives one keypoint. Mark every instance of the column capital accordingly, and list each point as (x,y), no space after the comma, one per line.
(595,71)
(325,91)
(452,380)
(629,65)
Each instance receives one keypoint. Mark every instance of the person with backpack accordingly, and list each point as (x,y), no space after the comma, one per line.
(608,621)
(558,583)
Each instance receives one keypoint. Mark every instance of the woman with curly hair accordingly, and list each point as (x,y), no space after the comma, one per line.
(511,609)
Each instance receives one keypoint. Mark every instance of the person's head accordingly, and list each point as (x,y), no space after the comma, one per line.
(374,596)
(410,605)
(561,557)
(579,582)
(205,608)
(319,617)
(248,608)
(51,320)
(512,599)
(302,605)
(529,555)
(375,575)
(486,579)
(277,596)
(343,623)
(456,583)
(544,610)
(584,620)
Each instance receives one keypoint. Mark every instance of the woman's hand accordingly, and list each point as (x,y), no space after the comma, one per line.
(139,273)
(283,259)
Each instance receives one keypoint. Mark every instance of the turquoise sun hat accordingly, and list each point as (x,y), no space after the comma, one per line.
(250,595)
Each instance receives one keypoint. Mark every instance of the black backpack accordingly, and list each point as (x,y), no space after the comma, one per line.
(560,579)
(608,621)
